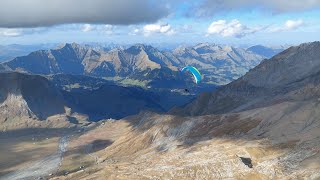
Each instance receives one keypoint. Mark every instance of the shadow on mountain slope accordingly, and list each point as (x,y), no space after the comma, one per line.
(111,101)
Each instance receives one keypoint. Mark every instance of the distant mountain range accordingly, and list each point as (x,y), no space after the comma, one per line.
(219,65)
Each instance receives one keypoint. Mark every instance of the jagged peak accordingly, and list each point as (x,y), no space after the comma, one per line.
(137,48)
(40,52)
(227,48)
(73,45)
(202,45)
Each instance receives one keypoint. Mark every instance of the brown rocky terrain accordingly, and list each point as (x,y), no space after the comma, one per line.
(153,146)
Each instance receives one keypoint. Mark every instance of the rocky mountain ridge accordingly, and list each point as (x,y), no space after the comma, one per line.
(219,65)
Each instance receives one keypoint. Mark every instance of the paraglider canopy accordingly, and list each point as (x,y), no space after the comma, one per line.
(195,72)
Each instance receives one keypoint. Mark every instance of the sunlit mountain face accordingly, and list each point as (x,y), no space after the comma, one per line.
(166,89)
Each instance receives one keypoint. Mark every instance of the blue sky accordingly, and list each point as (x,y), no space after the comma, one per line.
(234,22)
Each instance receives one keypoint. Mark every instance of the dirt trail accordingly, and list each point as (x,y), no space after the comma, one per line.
(42,167)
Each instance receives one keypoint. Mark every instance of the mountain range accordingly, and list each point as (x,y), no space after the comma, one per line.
(219,65)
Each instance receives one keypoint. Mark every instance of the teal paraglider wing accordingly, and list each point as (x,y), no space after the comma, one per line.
(195,72)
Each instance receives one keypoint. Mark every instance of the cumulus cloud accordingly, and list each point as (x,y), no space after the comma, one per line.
(210,7)
(289,25)
(34,13)
(150,29)
(233,28)
(292,24)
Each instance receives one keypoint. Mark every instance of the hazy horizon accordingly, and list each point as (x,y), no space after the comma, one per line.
(160,45)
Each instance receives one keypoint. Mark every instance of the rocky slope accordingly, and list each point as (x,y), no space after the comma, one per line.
(265,143)
(26,99)
(25,95)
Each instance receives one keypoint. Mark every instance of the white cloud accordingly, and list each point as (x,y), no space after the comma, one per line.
(233,28)
(87,28)
(292,24)
(10,32)
(150,29)
(289,25)
(135,32)
(108,29)
(156,28)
